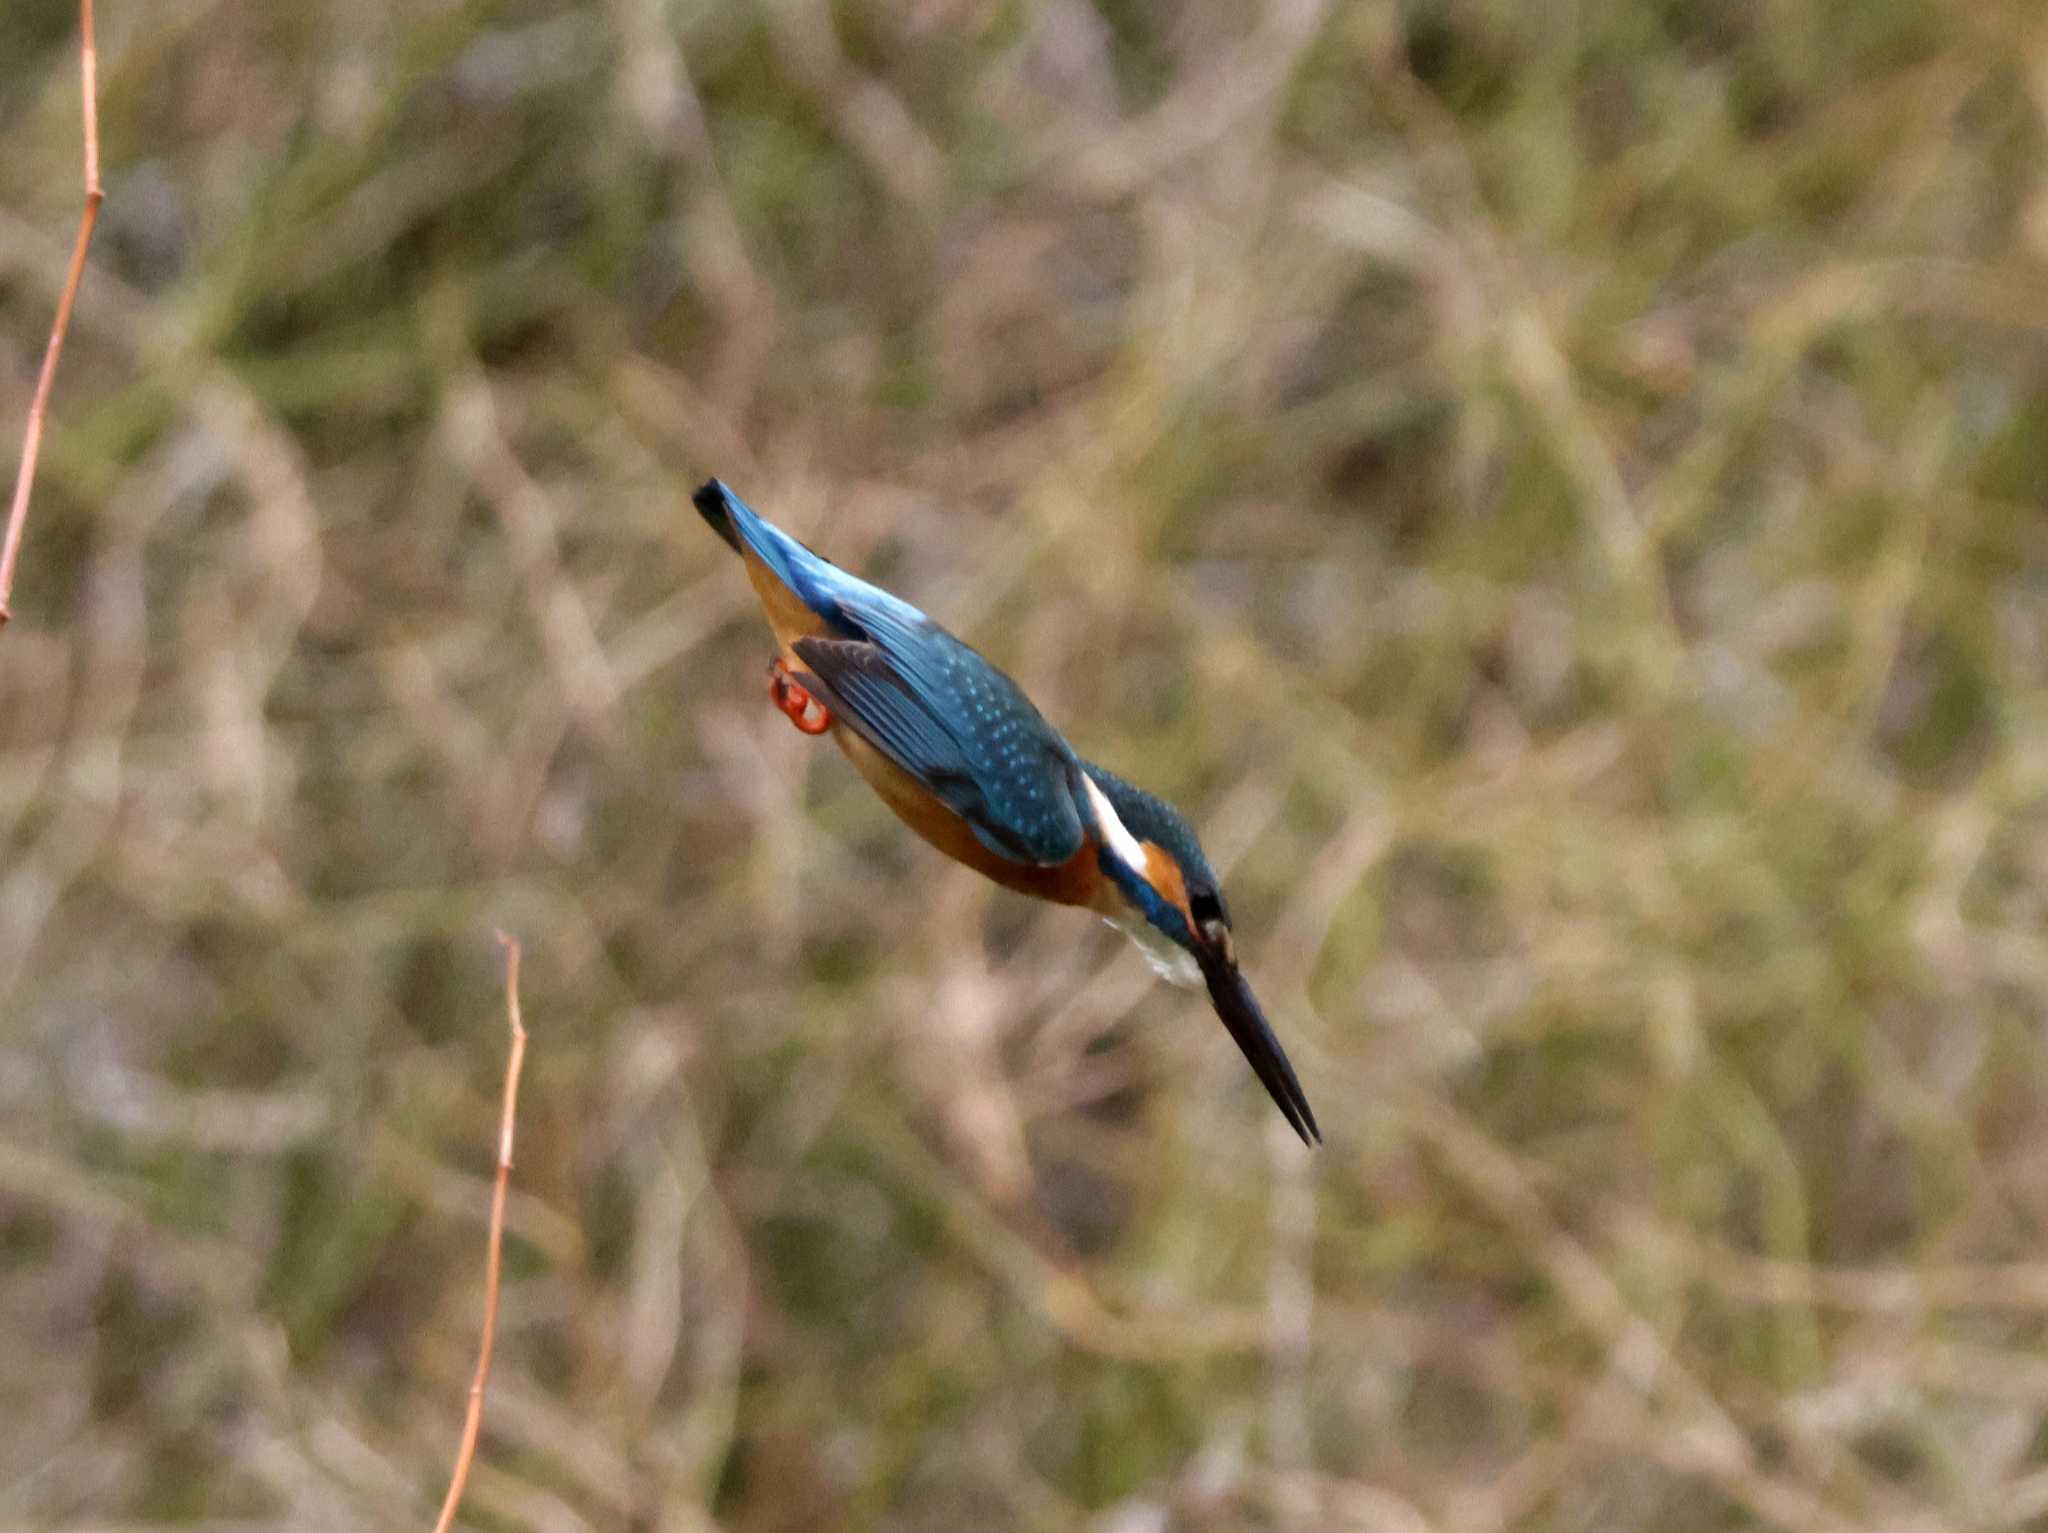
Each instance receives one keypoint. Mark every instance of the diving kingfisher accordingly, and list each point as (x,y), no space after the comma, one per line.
(957,750)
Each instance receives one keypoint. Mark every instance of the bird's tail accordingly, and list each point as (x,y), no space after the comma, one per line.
(713,501)
(818,583)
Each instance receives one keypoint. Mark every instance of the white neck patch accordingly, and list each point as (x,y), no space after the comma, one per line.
(1167,957)
(1114,835)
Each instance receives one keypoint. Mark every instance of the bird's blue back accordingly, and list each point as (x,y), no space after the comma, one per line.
(942,712)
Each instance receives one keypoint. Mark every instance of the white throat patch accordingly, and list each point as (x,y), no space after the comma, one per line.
(1169,960)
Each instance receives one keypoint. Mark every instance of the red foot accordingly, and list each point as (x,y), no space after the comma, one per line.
(804,710)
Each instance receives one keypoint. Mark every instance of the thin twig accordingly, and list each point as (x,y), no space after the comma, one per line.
(39,406)
(492,1262)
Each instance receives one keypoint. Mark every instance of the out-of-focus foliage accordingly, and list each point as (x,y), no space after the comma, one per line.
(1556,491)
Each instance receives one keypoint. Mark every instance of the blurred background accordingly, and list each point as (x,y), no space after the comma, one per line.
(1556,492)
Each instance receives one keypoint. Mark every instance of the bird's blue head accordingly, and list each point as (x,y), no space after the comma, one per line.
(1174,910)
(1149,852)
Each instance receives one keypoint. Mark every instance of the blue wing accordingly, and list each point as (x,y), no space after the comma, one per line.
(964,730)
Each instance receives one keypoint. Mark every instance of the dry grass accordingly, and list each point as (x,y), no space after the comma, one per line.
(1556,491)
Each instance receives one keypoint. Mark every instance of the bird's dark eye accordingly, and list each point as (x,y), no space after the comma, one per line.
(1212,926)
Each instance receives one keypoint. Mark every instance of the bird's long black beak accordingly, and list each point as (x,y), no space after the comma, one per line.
(1240,1012)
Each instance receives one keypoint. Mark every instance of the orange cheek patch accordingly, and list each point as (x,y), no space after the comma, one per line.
(1164,875)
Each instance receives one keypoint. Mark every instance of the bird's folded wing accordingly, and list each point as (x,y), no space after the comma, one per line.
(1001,779)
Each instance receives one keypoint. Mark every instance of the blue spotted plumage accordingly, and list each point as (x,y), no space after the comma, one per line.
(964,757)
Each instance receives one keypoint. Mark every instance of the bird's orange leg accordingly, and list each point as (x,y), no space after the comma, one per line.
(787,693)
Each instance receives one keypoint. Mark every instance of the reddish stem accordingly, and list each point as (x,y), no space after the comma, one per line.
(39,406)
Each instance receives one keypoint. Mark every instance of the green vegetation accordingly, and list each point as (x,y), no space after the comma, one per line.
(1555,491)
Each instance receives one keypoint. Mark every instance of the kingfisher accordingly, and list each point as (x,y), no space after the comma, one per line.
(957,750)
